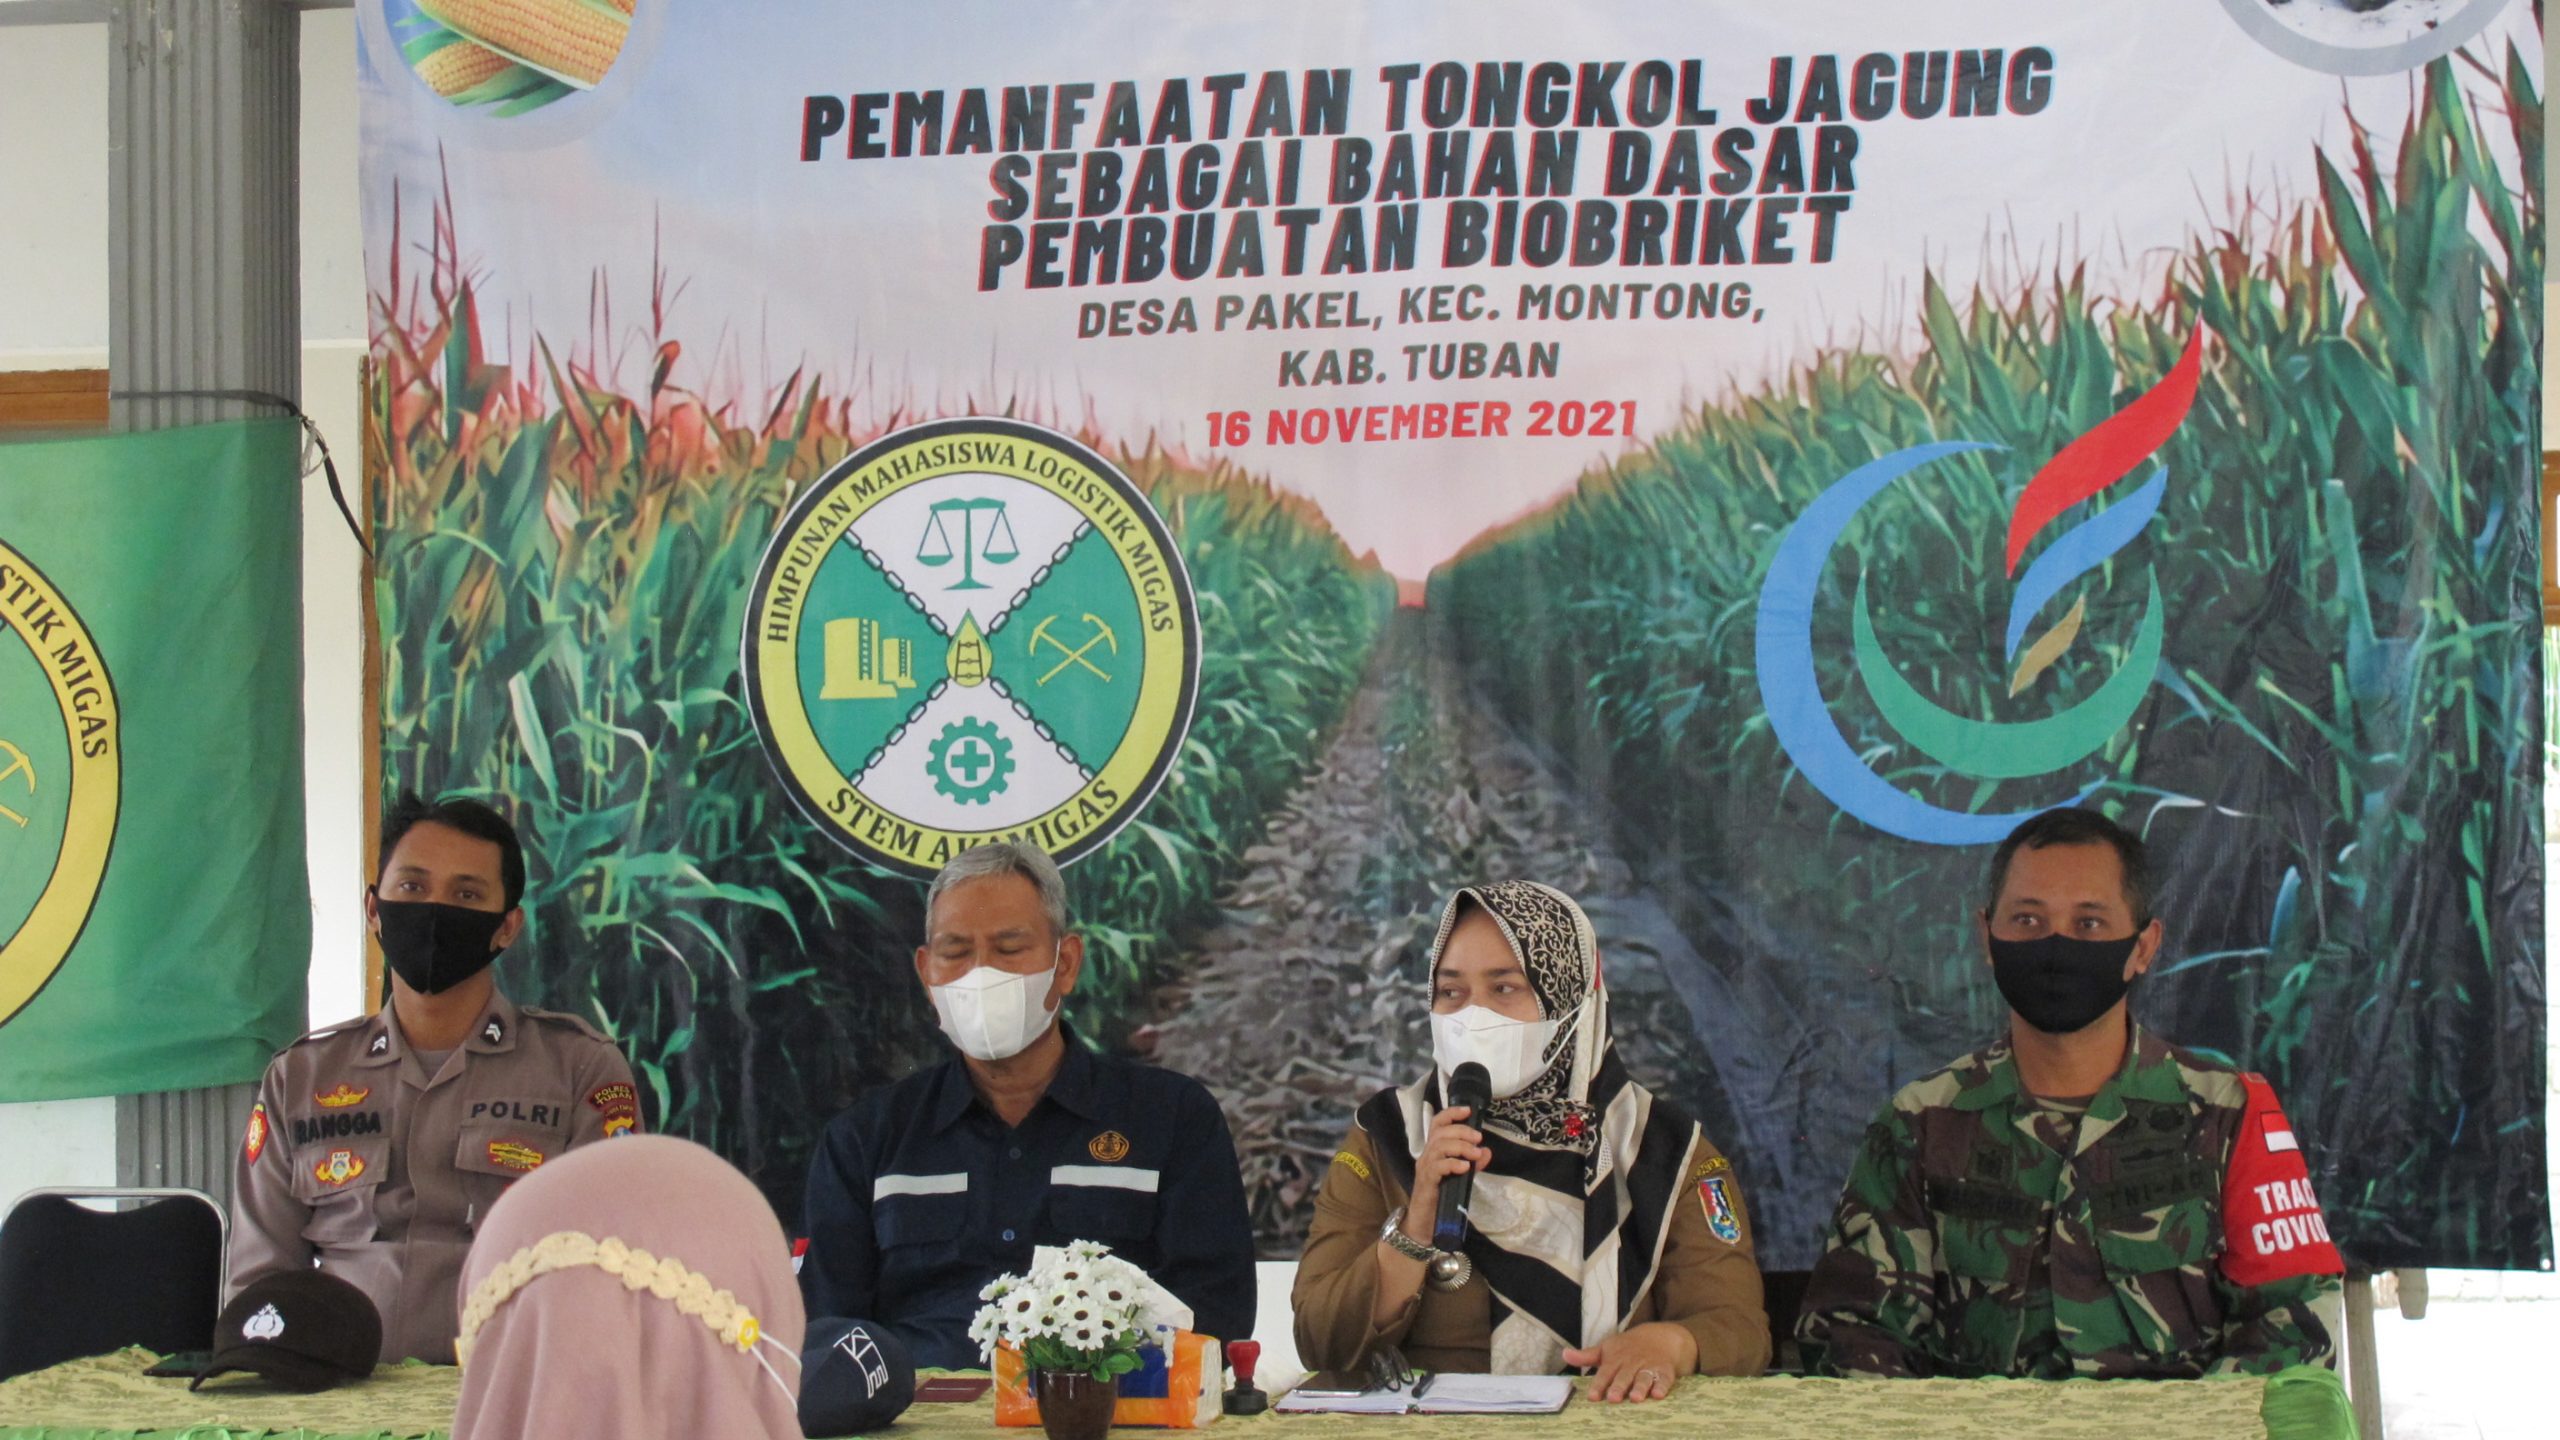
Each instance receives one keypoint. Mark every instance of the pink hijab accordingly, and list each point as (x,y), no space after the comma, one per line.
(631,1288)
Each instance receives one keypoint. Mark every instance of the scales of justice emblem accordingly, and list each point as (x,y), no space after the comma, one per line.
(970,630)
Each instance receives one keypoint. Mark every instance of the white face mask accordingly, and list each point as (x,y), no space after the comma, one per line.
(1512,1052)
(995,1014)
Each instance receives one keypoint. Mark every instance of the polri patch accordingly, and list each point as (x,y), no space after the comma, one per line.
(255,1142)
(1716,1198)
(341,1167)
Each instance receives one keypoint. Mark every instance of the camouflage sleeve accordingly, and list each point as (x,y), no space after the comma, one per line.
(1873,1295)
(2268,1327)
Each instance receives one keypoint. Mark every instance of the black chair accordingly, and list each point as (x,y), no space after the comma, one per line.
(76,1281)
(1782,1293)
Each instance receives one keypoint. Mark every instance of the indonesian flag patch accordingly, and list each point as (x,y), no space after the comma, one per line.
(2271,1222)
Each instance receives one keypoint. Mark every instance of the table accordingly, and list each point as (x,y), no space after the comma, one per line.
(107,1398)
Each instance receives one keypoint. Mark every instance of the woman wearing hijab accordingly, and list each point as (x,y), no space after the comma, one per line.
(1604,1233)
(637,1288)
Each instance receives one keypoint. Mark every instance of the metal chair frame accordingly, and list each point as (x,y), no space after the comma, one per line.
(221,1221)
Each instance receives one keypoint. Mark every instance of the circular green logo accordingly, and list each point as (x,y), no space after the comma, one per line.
(61,773)
(971,630)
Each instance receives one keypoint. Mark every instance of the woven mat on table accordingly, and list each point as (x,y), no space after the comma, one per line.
(108,1397)
(1784,1408)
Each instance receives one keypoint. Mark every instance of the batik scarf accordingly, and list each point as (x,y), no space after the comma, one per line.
(1567,1223)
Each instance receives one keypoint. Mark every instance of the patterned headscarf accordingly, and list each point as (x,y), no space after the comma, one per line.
(1553,941)
(1567,1224)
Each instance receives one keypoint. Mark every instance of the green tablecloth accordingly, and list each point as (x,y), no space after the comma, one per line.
(108,1398)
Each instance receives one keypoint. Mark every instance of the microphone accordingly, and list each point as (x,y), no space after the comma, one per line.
(1471,1086)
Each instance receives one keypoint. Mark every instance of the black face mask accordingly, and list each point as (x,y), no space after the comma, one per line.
(436,947)
(2058,984)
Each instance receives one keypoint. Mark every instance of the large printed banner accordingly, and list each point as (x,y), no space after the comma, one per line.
(1728,461)
(155,918)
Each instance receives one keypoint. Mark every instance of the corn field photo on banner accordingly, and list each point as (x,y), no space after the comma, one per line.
(1730,464)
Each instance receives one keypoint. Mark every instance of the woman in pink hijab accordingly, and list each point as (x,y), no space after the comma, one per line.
(635,1288)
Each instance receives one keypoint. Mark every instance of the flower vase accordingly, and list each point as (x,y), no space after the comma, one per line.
(1075,1406)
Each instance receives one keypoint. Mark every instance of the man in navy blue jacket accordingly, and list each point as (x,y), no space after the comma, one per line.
(925,1191)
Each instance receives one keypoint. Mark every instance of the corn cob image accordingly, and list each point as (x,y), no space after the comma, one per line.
(574,41)
(459,66)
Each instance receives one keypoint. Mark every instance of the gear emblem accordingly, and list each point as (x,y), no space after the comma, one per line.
(970,761)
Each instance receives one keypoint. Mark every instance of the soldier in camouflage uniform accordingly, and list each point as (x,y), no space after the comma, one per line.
(2079,1199)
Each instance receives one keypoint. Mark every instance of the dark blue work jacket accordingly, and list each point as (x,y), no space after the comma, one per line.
(919,1195)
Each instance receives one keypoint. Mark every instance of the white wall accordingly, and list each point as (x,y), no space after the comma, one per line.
(53,315)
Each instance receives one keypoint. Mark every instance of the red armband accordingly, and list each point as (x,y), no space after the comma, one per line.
(2271,1222)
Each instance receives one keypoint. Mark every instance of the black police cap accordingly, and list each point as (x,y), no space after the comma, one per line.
(301,1329)
(854,1376)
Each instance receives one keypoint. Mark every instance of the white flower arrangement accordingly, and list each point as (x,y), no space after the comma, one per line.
(1078,1308)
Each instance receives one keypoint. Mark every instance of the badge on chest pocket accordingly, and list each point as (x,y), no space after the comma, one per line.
(505,1150)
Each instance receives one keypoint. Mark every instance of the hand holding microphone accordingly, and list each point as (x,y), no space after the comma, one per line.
(1470,1090)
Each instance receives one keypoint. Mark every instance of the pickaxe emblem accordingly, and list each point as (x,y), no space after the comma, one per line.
(1075,654)
(18,764)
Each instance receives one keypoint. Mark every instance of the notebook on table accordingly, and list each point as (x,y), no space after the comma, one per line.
(1433,1395)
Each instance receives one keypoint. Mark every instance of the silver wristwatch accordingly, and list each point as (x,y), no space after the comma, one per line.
(1403,1244)
(1446,1270)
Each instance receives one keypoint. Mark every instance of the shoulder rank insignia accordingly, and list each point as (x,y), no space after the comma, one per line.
(381,1042)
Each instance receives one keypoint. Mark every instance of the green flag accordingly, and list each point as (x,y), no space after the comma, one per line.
(155,924)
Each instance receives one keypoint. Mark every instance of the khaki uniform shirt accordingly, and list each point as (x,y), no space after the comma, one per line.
(1706,1285)
(359,1161)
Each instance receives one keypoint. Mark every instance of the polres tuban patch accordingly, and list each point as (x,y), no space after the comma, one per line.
(619,1104)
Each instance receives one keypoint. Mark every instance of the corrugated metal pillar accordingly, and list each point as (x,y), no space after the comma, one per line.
(203,293)
(203,100)
(182,1137)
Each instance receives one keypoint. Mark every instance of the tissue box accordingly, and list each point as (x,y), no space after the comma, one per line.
(1176,1387)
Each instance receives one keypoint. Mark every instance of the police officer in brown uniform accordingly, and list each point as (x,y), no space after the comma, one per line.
(377,1145)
